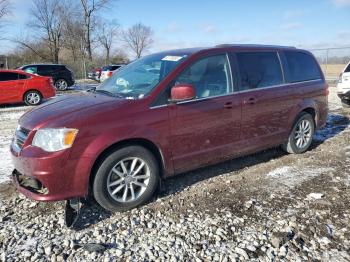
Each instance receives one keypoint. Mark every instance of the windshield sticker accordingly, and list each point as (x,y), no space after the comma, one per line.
(172,58)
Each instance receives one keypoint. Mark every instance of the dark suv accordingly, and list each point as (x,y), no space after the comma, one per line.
(61,75)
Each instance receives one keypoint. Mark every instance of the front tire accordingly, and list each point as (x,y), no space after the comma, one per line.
(126,179)
(300,138)
(32,98)
(61,84)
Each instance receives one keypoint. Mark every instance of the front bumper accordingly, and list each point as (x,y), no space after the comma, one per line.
(343,90)
(344,95)
(44,176)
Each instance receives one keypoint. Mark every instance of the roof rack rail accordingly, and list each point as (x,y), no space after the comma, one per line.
(253,45)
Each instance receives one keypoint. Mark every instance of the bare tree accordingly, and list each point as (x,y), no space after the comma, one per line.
(106,37)
(138,38)
(5,10)
(73,34)
(47,17)
(90,9)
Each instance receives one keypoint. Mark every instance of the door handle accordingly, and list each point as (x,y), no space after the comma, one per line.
(250,101)
(228,105)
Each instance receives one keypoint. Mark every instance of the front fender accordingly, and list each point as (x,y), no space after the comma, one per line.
(90,148)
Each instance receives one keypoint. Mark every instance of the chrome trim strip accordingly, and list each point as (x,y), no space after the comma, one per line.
(240,92)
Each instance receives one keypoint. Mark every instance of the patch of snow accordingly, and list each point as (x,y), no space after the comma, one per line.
(332,128)
(8,124)
(12,115)
(290,177)
(314,196)
(6,166)
(29,244)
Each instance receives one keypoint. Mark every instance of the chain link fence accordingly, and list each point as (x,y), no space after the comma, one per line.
(332,61)
(80,66)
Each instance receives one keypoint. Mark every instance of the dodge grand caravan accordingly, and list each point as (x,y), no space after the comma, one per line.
(165,114)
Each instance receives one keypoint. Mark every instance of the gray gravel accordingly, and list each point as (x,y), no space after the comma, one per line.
(266,207)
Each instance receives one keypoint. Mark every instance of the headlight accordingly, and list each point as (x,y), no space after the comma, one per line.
(54,139)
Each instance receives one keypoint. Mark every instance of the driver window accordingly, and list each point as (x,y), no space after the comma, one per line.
(210,76)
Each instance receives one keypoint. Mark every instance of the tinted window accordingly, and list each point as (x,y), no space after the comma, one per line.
(46,69)
(8,76)
(347,70)
(114,67)
(259,69)
(301,67)
(31,70)
(210,76)
(21,76)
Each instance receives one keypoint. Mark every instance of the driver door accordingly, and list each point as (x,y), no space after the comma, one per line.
(206,129)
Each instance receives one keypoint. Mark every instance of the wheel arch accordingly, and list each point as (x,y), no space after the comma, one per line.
(311,111)
(128,142)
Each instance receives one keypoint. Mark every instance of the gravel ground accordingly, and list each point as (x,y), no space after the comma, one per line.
(265,207)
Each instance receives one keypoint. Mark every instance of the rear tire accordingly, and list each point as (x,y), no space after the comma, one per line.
(32,98)
(126,179)
(300,138)
(61,84)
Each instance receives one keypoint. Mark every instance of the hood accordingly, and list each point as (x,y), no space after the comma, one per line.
(65,109)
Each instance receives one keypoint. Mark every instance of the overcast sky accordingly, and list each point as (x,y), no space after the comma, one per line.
(186,23)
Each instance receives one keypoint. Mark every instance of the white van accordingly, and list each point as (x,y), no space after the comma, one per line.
(343,86)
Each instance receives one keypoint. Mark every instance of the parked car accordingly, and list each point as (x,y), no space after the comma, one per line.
(18,86)
(61,75)
(204,106)
(95,74)
(343,86)
(107,71)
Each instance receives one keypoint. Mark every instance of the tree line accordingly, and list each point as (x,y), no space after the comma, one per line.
(74,30)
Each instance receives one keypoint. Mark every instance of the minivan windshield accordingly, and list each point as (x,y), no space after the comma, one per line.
(137,79)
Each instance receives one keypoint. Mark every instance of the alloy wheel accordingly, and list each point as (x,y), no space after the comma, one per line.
(61,84)
(302,135)
(33,98)
(128,179)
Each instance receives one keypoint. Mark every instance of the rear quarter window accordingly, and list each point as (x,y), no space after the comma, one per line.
(22,76)
(301,67)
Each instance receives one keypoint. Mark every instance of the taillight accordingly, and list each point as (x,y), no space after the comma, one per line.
(340,78)
(110,73)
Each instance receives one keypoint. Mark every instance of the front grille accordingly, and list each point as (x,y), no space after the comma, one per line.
(21,135)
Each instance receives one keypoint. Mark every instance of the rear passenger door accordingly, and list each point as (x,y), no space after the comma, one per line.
(266,99)
(47,70)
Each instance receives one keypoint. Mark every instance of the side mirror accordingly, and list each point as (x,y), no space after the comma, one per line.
(182,92)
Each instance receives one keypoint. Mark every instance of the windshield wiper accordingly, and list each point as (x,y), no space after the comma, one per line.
(103,92)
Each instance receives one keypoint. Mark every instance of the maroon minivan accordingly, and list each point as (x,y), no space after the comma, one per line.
(165,114)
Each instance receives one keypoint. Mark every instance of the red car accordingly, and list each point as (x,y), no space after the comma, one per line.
(18,86)
(166,114)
